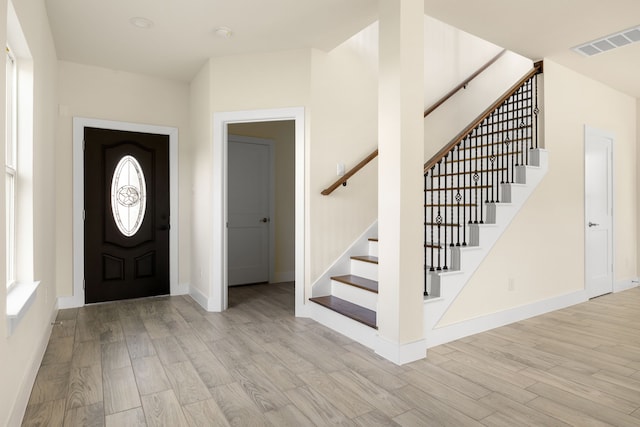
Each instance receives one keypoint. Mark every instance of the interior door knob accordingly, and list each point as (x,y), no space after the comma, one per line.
(592,224)
(264,220)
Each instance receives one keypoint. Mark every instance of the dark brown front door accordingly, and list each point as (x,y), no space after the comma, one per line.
(126,227)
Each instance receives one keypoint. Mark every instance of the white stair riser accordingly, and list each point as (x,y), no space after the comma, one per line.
(373,247)
(355,295)
(364,269)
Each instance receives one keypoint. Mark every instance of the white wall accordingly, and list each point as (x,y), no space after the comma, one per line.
(21,352)
(282,133)
(200,178)
(234,83)
(344,129)
(99,93)
(542,251)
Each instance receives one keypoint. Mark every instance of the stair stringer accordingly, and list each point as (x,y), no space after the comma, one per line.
(342,265)
(322,286)
(483,237)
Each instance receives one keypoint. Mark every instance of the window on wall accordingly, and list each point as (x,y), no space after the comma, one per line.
(11,168)
(20,284)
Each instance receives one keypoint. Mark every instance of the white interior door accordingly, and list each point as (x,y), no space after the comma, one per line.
(598,212)
(249,207)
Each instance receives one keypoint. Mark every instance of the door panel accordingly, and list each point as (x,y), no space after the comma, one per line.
(249,206)
(126,216)
(598,214)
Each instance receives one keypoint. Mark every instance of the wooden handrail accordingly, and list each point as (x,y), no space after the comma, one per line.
(356,168)
(343,179)
(463,84)
(537,69)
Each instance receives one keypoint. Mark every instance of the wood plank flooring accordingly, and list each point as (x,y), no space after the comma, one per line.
(166,362)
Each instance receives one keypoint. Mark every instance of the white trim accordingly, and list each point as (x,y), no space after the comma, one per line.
(218,266)
(198,297)
(342,265)
(591,132)
(401,354)
(79,123)
(272,193)
(24,388)
(19,298)
(448,333)
(624,285)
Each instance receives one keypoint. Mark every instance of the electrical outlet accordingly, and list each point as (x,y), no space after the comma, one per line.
(511,286)
(340,169)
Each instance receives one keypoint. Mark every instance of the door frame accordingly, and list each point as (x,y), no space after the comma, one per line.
(79,123)
(218,295)
(272,191)
(591,132)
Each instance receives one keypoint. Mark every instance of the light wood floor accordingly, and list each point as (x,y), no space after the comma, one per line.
(166,362)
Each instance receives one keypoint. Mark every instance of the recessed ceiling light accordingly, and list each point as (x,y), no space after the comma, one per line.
(612,41)
(224,32)
(140,22)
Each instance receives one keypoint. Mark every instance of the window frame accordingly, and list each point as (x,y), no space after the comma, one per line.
(11,165)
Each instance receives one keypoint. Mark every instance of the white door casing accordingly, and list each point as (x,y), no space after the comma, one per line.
(598,212)
(79,123)
(218,298)
(250,210)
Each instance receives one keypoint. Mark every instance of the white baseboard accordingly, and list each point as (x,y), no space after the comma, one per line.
(199,297)
(448,333)
(73,301)
(24,389)
(401,354)
(624,285)
(181,289)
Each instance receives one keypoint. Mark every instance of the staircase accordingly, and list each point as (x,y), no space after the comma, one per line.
(350,302)
(473,188)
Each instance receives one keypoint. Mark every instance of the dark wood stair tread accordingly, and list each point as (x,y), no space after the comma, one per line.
(373,239)
(350,310)
(366,258)
(358,282)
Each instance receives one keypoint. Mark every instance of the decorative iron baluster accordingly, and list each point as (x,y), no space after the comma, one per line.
(464,191)
(482,170)
(438,219)
(432,268)
(458,195)
(536,111)
(426,247)
(492,159)
(476,177)
(446,227)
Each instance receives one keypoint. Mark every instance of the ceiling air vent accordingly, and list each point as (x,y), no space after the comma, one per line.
(609,42)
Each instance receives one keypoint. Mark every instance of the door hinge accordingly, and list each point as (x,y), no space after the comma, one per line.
(84,144)
(84,214)
(84,284)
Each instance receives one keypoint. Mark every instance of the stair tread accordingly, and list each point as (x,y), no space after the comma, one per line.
(366,258)
(348,309)
(373,239)
(358,282)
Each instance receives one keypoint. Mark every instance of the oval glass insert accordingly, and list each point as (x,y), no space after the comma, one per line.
(128,195)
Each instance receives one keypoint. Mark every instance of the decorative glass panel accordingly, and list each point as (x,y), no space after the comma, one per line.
(128,195)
